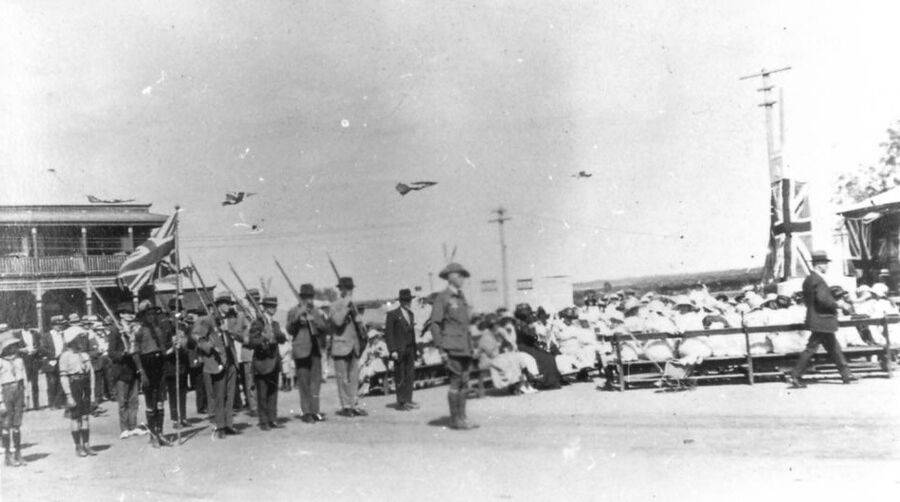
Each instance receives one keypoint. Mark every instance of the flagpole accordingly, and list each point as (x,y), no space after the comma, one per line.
(178,309)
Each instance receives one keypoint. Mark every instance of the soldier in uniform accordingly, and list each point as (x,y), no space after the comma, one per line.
(821,320)
(309,331)
(400,336)
(450,330)
(348,341)
(264,336)
(148,357)
(214,335)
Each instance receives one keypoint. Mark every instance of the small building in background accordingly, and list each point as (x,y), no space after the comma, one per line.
(872,239)
(50,254)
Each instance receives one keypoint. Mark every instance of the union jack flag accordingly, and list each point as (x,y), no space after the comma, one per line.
(790,236)
(142,264)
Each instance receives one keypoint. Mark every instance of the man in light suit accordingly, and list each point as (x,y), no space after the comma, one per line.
(214,335)
(309,331)
(348,341)
(400,336)
(821,320)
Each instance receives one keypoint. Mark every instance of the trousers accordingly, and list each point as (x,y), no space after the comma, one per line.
(404,374)
(309,381)
(459,368)
(127,399)
(829,341)
(153,387)
(174,406)
(249,385)
(346,371)
(267,397)
(222,394)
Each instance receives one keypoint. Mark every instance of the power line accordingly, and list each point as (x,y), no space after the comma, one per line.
(500,220)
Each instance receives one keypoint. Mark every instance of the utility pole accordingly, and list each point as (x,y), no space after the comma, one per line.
(775,156)
(499,220)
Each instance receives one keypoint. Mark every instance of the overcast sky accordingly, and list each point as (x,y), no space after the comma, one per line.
(322,107)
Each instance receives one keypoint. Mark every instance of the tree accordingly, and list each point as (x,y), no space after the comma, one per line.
(868,181)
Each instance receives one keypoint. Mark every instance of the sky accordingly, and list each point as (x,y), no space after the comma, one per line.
(320,108)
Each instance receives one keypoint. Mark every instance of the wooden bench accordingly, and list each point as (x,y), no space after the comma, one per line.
(750,367)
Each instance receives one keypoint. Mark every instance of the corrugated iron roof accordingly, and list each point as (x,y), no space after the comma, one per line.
(84,214)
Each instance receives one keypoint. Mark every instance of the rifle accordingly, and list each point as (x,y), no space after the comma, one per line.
(288,279)
(230,292)
(360,332)
(256,308)
(214,313)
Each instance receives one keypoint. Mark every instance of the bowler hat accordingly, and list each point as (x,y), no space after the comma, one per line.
(224,298)
(346,283)
(307,291)
(124,308)
(453,268)
(820,257)
(270,301)
(405,295)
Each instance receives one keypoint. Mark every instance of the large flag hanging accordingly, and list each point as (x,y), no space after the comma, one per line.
(859,236)
(140,266)
(790,237)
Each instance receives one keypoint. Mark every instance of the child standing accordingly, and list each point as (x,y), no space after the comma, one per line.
(12,397)
(77,378)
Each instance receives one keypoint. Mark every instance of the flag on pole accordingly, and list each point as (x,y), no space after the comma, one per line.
(141,265)
(790,237)
(859,238)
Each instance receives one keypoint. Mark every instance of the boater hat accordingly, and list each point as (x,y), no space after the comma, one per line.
(270,301)
(451,268)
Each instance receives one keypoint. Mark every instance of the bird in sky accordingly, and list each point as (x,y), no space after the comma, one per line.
(582,174)
(232,198)
(404,189)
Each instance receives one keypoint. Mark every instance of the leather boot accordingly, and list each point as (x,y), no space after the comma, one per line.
(464,423)
(79,450)
(86,442)
(453,401)
(8,454)
(17,444)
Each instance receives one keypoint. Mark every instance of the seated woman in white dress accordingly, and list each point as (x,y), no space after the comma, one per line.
(509,368)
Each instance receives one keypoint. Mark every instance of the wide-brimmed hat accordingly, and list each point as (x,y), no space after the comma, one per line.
(880,289)
(346,283)
(405,295)
(74,318)
(7,338)
(630,304)
(224,298)
(270,301)
(820,256)
(307,291)
(453,268)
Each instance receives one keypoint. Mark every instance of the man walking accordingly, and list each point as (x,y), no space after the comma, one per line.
(400,336)
(214,335)
(450,330)
(821,320)
(348,343)
(264,337)
(309,330)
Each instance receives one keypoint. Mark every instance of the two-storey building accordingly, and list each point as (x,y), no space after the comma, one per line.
(50,254)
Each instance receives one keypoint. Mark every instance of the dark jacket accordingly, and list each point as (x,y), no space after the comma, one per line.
(304,331)
(399,334)
(123,368)
(48,353)
(821,307)
(169,327)
(450,324)
(263,341)
(217,348)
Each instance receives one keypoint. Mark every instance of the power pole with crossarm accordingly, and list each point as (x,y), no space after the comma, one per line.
(499,220)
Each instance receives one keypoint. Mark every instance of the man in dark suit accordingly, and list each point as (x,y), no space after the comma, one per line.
(214,335)
(263,338)
(52,345)
(400,335)
(821,320)
(124,372)
(309,330)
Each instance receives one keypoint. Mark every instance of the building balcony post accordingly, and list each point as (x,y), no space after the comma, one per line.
(34,242)
(84,241)
(130,239)
(39,305)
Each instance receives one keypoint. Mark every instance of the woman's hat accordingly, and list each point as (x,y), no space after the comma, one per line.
(7,339)
(880,289)
(74,318)
(453,268)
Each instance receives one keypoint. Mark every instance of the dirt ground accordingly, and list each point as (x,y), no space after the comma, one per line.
(734,442)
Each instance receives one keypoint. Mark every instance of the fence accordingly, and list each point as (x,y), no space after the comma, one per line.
(55,266)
